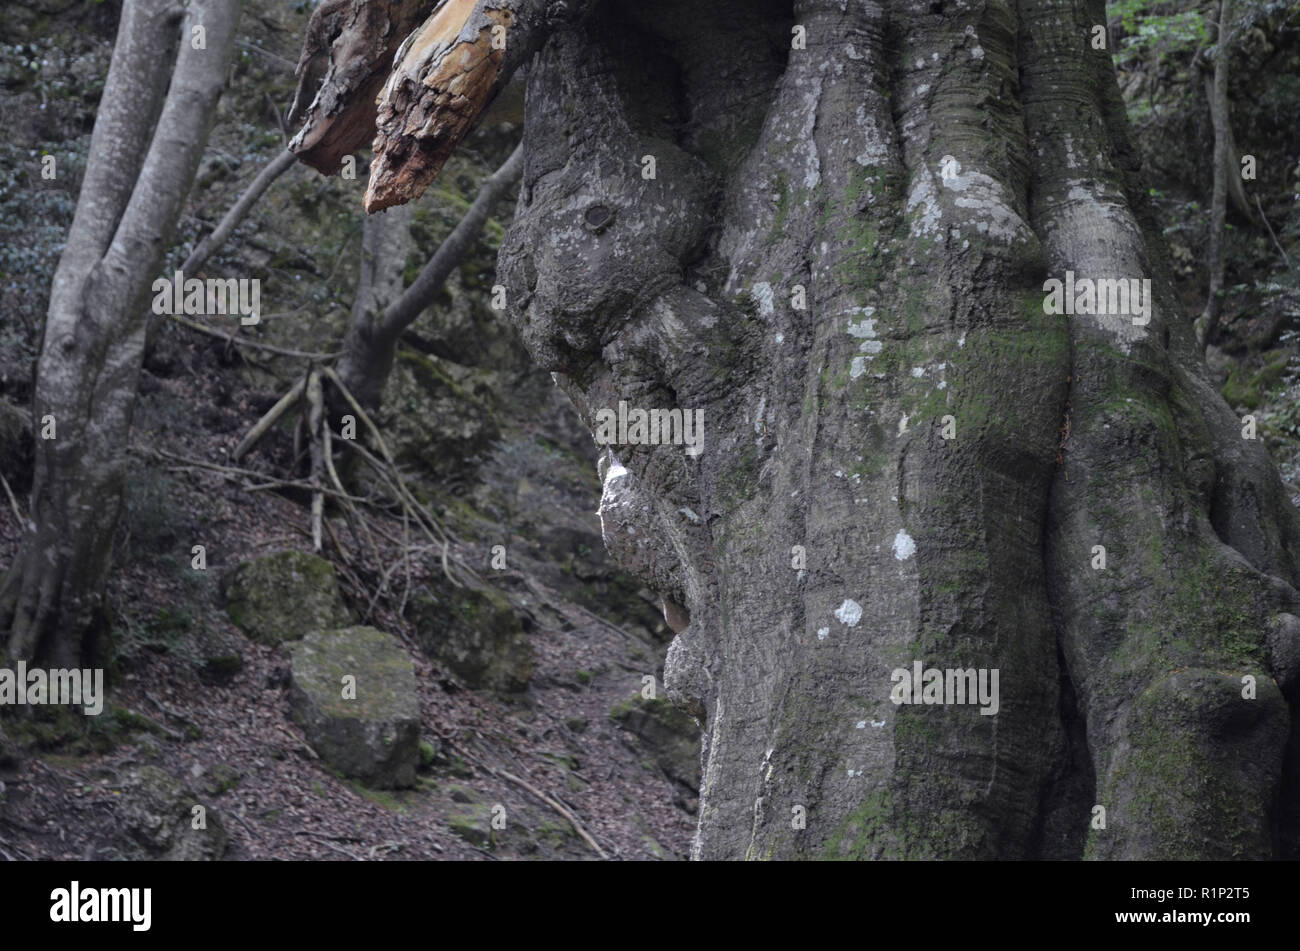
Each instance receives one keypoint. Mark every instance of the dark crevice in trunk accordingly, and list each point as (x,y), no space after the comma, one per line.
(1065,807)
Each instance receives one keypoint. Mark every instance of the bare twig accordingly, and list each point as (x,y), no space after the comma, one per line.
(13,503)
(538,794)
(209,245)
(1285,256)
(324,840)
(267,421)
(231,338)
(315,417)
(245,824)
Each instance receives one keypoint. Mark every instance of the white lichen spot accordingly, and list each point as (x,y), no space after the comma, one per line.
(1070,160)
(690,515)
(812,164)
(857,367)
(902,425)
(822,633)
(865,328)
(918,372)
(849,613)
(861,725)
(762,294)
(922,199)
(977,52)
(780,338)
(904,547)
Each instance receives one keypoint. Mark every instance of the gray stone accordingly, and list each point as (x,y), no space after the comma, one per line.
(375,737)
(157,812)
(284,596)
(670,736)
(476,634)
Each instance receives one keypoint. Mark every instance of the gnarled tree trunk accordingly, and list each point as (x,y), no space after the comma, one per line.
(840,259)
(828,227)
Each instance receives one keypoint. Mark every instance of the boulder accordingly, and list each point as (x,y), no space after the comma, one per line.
(473,823)
(437,415)
(367,728)
(670,736)
(284,596)
(156,811)
(217,655)
(474,633)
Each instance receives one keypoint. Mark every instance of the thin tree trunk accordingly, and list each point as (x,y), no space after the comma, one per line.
(1217,91)
(382,311)
(51,599)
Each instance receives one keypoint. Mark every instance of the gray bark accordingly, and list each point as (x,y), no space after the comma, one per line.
(142,163)
(1217,93)
(824,168)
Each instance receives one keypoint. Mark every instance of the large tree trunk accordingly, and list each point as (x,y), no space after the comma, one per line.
(917,172)
(51,598)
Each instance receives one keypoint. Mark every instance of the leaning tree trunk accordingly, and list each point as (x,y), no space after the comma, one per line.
(840,259)
(51,599)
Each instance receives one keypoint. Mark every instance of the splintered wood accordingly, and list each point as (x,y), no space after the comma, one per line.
(442,80)
(349,48)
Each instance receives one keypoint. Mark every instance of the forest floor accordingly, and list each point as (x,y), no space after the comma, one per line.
(236,744)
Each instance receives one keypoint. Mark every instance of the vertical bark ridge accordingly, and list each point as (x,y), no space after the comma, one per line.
(1157,643)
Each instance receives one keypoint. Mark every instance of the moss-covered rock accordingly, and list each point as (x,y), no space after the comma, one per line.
(473,823)
(366,727)
(158,813)
(1247,388)
(284,596)
(670,736)
(437,415)
(476,634)
(218,655)
(220,778)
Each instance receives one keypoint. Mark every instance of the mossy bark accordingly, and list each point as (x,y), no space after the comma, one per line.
(854,300)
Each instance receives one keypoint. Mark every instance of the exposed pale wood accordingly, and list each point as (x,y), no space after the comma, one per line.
(440,85)
(345,59)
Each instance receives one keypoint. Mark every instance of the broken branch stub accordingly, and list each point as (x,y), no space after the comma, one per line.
(445,76)
(359,39)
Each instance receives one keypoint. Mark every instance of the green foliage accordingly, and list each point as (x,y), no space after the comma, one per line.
(1156,31)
